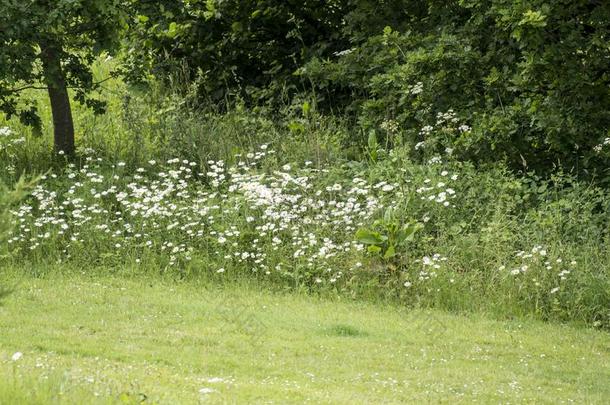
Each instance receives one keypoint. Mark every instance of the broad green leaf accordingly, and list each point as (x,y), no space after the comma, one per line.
(172,30)
(409,230)
(374,249)
(369,237)
(533,18)
(391,252)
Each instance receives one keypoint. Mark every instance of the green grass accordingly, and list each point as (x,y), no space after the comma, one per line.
(112,339)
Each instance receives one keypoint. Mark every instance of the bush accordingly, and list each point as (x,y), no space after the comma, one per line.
(526,78)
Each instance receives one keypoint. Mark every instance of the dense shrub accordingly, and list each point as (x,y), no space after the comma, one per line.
(232,49)
(529,80)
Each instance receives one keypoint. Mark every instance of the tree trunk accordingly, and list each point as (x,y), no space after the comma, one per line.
(63,126)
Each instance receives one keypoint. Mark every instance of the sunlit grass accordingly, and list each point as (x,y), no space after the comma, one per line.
(118,338)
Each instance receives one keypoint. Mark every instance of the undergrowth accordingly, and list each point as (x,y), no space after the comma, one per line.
(291,201)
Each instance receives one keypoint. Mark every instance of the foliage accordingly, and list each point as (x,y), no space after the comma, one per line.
(54,44)
(232,49)
(9,198)
(424,154)
(195,193)
(528,78)
(387,235)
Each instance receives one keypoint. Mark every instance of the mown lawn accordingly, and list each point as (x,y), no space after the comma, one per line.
(112,339)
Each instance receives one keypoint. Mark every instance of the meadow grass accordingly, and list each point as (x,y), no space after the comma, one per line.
(99,338)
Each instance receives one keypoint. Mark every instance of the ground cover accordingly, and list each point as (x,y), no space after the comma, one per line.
(68,338)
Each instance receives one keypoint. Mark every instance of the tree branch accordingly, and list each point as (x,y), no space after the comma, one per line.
(20,89)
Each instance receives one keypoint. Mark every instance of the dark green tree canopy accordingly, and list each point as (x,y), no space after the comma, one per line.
(234,47)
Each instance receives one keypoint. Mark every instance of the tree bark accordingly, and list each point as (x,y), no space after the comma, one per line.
(63,125)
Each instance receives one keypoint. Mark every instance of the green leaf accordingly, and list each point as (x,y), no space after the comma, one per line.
(295,126)
(369,237)
(172,30)
(533,18)
(372,143)
(409,230)
(388,215)
(391,252)
(372,140)
(374,249)
(237,26)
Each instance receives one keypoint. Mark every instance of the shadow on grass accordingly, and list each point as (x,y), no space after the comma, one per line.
(345,330)
(5,292)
